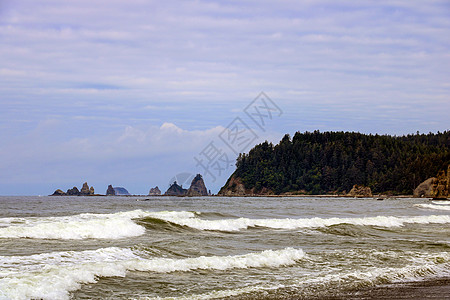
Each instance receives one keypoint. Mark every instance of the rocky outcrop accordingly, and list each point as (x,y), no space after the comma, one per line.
(235,187)
(441,186)
(121,191)
(435,187)
(360,191)
(110,191)
(425,189)
(85,190)
(73,192)
(197,187)
(175,190)
(58,192)
(154,191)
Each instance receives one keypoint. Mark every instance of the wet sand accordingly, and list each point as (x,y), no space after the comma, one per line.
(433,289)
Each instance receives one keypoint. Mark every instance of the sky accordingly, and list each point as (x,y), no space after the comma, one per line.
(136,93)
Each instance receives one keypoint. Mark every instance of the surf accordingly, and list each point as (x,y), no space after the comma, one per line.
(55,275)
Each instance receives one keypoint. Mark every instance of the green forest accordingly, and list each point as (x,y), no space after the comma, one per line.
(332,162)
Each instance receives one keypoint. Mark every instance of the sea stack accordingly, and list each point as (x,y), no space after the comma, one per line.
(175,190)
(110,191)
(154,191)
(73,192)
(121,191)
(58,192)
(84,190)
(197,187)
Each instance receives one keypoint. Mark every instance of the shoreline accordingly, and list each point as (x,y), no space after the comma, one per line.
(426,289)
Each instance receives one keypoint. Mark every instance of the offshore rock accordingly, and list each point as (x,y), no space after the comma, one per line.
(360,191)
(154,191)
(175,190)
(110,191)
(91,190)
(85,189)
(121,191)
(58,192)
(197,187)
(73,191)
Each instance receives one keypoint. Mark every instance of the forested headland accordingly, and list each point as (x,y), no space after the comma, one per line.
(332,162)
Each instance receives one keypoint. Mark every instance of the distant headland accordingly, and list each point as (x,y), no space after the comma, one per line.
(345,164)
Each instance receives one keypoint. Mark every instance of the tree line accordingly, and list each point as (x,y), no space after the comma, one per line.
(332,162)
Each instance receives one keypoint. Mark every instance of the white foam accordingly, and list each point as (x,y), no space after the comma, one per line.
(82,226)
(433,206)
(442,202)
(243,223)
(60,275)
(422,266)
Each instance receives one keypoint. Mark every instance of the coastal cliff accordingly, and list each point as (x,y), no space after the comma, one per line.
(436,187)
(334,162)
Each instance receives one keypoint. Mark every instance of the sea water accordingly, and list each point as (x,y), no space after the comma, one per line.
(216,247)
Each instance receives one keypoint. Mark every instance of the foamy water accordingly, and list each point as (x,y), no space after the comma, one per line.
(434,206)
(206,248)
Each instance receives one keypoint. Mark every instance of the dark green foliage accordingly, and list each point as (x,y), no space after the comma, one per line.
(332,162)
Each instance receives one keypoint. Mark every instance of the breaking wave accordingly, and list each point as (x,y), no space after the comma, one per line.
(54,275)
(244,223)
(83,226)
(433,206)
(134,223)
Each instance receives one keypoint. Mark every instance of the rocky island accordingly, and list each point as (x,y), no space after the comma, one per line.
(154,191)
(197,188)
(85,191)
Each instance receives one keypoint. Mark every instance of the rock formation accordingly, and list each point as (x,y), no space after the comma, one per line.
(85,189)
(441,186)
(120,191)
(110,191)
(175,190)
(58,192)
(436,187)
(73,192)
(197,187)
(235,187)
(425,189)
(154,191)
(360,191)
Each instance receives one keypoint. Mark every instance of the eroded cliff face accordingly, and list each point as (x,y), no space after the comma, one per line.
(360,191)
(235,187)
(438,187)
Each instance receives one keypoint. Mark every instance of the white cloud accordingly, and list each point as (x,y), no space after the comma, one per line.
(98,67)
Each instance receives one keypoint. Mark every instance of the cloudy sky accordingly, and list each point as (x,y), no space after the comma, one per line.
(131,92)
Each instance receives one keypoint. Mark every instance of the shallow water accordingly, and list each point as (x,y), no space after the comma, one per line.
(120,247)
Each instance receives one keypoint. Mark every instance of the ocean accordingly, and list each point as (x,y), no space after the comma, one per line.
(218,247)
